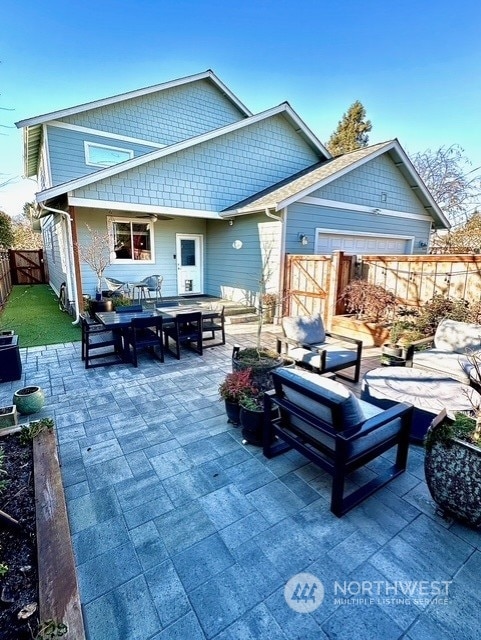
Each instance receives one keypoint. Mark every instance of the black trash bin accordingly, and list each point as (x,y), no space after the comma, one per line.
(10,363)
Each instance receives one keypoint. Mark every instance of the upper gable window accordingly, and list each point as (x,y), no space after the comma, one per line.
(102,155)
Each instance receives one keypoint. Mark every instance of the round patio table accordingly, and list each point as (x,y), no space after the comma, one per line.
(428,393)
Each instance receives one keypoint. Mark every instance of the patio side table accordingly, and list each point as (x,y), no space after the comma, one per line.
(429,394)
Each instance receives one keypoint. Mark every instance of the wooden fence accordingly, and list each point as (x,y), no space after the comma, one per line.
(5,278)
(312,283)
(416,279)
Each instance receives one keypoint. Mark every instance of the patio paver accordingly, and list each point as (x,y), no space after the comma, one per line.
(181,531)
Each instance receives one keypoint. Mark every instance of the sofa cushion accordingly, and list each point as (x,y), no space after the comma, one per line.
(304,329)
(447,363)
(336,356)
(324,388)
(457,337)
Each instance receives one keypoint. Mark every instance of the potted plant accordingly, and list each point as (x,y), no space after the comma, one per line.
(403,332)
(452,465)
(369,312)
(252,416)
(96,255)
(259,361)
(232,389)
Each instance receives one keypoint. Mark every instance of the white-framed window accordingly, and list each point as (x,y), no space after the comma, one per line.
(132,240)
(103,155)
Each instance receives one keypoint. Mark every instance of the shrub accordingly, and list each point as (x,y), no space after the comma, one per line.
(236,385)
(438,308)
(369,301)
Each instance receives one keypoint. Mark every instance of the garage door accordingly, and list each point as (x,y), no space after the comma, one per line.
(362,244)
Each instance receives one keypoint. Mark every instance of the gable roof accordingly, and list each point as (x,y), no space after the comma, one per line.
(283,109)
(305,182)
(33,126)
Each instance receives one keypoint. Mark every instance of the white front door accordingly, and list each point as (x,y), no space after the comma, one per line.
(189,264)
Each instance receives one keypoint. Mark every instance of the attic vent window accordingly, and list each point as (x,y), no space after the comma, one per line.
(101,155)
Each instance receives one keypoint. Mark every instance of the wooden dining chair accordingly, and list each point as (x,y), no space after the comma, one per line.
(145,333)
(186,329)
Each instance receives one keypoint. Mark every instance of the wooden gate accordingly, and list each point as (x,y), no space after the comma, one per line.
(306,284)
(312,284)
(27,267)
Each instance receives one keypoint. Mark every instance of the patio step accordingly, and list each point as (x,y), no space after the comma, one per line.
(241,318)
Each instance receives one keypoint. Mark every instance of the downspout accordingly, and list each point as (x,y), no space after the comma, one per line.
(280,283)
(271,215)
(70,262)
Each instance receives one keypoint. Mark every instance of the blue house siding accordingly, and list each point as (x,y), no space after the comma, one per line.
(233,273)
(67,153)
(214,174)
(165,117)
(305,218)
(365,185)
(165,249)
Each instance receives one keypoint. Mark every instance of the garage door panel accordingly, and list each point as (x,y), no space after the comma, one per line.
(359,244)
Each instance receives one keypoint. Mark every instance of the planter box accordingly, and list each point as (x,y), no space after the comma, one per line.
(371,333)
(8,417)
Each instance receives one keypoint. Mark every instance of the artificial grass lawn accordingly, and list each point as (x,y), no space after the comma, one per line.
(32,312)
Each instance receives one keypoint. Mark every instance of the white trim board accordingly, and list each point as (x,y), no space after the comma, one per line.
(87,106)
(336,204)
(90,203)
(104,134)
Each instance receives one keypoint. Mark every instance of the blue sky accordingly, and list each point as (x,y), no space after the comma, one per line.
(415,66)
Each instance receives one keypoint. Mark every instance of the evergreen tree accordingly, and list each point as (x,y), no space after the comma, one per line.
(351,132)
(6,231)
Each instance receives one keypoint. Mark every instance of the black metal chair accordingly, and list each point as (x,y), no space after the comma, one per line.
(214,325)
(306,341)
(116,287)
(145,333)
(186,329)
(100,346)
(151,284)
(324,421)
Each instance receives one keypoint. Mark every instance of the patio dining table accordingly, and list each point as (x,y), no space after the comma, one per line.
(121,322)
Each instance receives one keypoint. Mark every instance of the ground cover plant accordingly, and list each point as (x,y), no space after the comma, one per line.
(32,312)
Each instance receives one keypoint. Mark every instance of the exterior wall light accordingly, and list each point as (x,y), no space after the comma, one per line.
(303,239)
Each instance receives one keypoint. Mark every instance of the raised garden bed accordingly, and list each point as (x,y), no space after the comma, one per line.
(38,553)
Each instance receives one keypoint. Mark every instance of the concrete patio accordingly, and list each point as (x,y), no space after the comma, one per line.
(180,531)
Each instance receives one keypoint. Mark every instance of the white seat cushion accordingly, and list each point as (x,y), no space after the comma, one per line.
(452,364)
(304,329)
(457,337)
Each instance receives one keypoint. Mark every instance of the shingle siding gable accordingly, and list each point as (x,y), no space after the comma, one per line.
(214,174)
(67,152)
(166,117)
(364,186)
